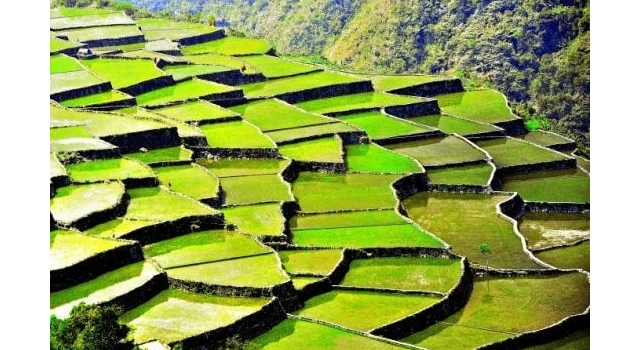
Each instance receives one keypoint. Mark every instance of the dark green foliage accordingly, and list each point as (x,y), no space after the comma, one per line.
(89,327)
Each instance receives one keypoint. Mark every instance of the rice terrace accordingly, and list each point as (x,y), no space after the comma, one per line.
(215,190)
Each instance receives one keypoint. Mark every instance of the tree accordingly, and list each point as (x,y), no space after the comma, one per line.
(485,249)
(89,327)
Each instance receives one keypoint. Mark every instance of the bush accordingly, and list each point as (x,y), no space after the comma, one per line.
(89,327)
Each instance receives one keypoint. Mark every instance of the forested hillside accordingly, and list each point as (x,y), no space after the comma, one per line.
(536,52)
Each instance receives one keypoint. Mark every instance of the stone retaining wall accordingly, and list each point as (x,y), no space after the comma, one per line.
(169,229)
(555,207)
(417,109)
(134,39)
(432,88)
(251,153)
(459,188)
(94,266)
(409,185)
(149,139)
(570,163)
(81,92)
(326,91)
(220,97)
(141,294)
(514,207)
(112,105)
(233,77)
(513,127)
(409,138)
(149,85)
(202,38)
(96,218)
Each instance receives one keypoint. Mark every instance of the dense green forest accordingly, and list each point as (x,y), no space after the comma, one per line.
(536,52)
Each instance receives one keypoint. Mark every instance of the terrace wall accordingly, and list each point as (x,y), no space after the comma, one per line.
(409,138)
(514,207)
(142,293)
(112,105)
(149,85)
(316,288)
(134,39)
(414,109)
(326,91)
(233,77)
(455,300)
(459,188)
(169,229)
(409,185)
(570,163)
(217,97)
(247,327)
(81,92)
(513,127)
(94,266)
(202,38)
(149,139)
(555,207)
(432,88)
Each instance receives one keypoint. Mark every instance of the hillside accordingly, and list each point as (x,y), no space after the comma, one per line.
(535,52)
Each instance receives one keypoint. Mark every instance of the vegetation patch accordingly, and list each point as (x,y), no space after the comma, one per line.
(222,60)
(363,311)
(69,132)
(235,134)
(380,126)
(230,45)
(92,20)
(577,340)
(184,129)
(63,63)
(509,151)
(372,158)
(273,114)
(297,334)
(486,106)
(373,99)
(253,189)
(319,192)
(544,138)
(156,203)
(433,152)
(191,180)
(72,80)
(103,288)
(326,149)
(109,169)
(503,307)
(276,67)
(566,185)
(70,202)
(190,89)
(257,220)
(243,167)
(449,124)
(118,227)
(405,273)
(123,72)
(316,262)
(67,247)
(196,111)
(101,32)
(474,174)
(58,45)
(174,315)
(347,219)
(466,220)
(275,87)
(573,257)
(157,28)
(545,230)
(202,247)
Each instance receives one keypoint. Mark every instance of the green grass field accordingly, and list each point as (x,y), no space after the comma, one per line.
(276,87)
(380,126)
(573,257)
(449,124)
(317,192)
(405,273)
(182,91)
(327,149)
(257,220)
(265,188)
(465,221)
(486,106)
(117,228)
(72,80)
(198,111)
(544,230)
(243,167)
(276,67)
(109,169)
(90,20)
(448,150)
(70,202)
(181,71)
(509,151)
(363,311)
(68,247)
(577,340)
(174,315)
(273,114)
(101,32)
(96,99)
(235,134)
(156,203)
(503,307)
(58,45)
(567,185)
(192,180)
(544,138)
(310,131)
(474,174)
(156,28)
(221,60)
(160,155)
(231,46)
(184,129)
(347,219)
(316,262)
(372,158)
(63,63)
(373,99)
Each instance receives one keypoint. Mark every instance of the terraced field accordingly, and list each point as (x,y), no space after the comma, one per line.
(214,190)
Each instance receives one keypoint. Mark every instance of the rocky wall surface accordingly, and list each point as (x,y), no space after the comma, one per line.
(432,88)
(81,92)
(417,109)
(555,207)
(513,127)
(326,91)
(409,138)
(409,185)
(94,266)
(224,153)
(142,293)
(202,38)
(96,218)
(134,39)
(149,85)
(169,229)
(149,139)
(233,77)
